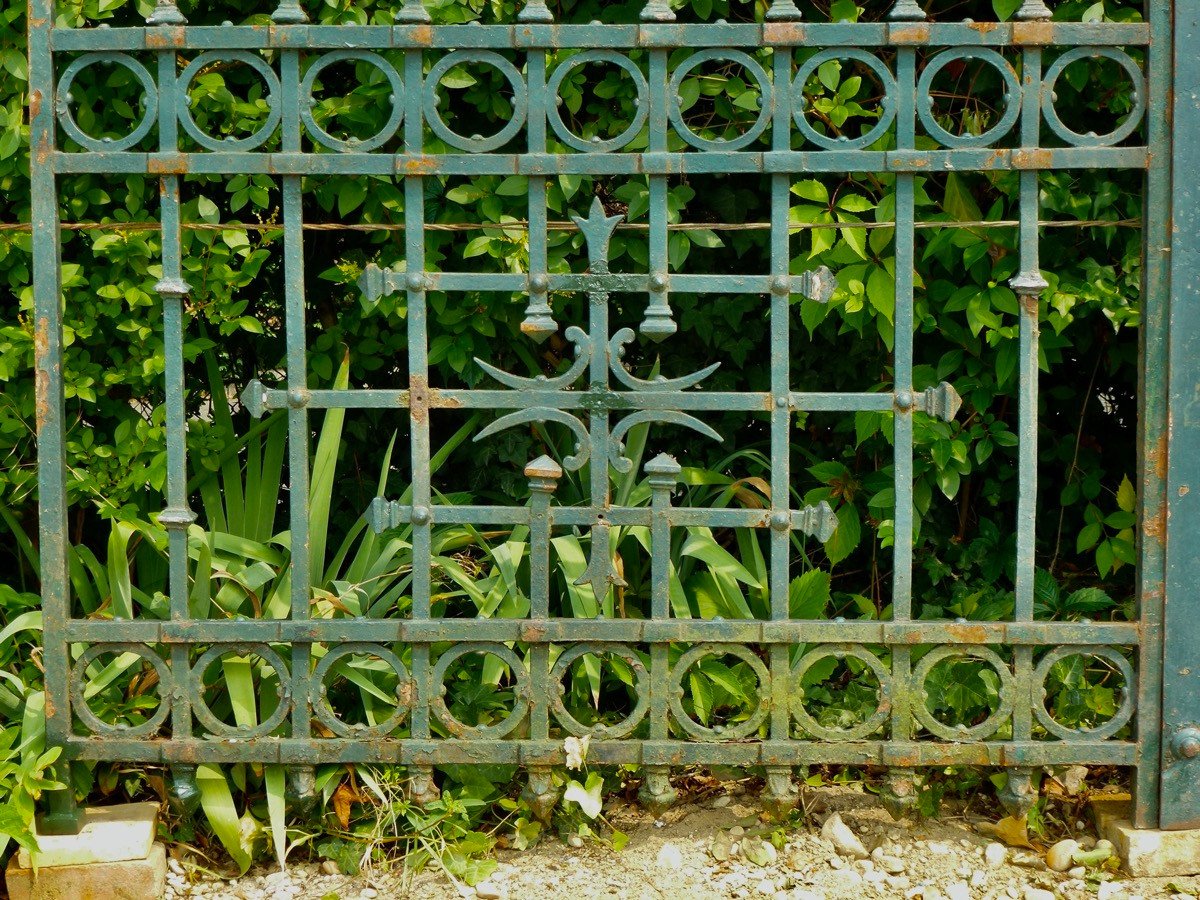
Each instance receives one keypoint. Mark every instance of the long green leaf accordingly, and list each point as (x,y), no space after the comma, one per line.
(276,784)
(217,803)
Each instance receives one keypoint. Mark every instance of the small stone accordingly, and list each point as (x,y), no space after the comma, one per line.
(670,857)
(843,839)
(721,847)
(575,841)
(721,802)
(766,887)
(486,890)
(1036,893)
(760,852)
(737,831)
(978,880)
(329,867)
(1077,872)
(1106,890)
(890,864)
(369,893)
(1061,856)
(958,890)
(995,855)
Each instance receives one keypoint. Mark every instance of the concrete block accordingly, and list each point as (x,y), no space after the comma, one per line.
(110,834)
(1146,852)
(130,879)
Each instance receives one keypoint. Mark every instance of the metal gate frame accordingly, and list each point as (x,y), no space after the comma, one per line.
(1164,708)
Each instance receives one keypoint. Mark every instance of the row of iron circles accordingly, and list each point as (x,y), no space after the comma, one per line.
(522,690)
(520,99)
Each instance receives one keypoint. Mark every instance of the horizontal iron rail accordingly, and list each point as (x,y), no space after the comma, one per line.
(557,630)
(616,752)
(615,37)
(692,162)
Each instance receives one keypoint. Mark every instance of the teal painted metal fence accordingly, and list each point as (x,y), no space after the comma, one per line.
(597,400)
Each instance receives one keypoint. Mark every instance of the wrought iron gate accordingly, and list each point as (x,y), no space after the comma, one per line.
(598,400)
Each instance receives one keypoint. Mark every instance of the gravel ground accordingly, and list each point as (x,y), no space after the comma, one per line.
(712,850)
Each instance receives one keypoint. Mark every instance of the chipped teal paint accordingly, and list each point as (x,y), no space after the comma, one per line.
(597,400)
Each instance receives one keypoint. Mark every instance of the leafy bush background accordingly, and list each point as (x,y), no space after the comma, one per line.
(966,333)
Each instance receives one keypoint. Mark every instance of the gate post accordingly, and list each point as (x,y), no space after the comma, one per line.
(1179,795)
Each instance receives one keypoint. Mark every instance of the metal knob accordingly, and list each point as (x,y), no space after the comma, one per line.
(1186,743)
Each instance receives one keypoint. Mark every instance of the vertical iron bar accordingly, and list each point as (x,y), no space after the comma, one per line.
(902,442)
(781,794)
(303,574)
(1152,418)
(1180,795)
(421,779)
(62,815)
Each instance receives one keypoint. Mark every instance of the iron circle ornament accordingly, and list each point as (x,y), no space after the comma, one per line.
(205,715)
(620,729)
(863,729)
(960,733)
(1012,98)
(1105,729)
(676,114)
(476,143)
(324,711)
(307,101)
(718,733)
(887,105)
(62,104)
(274,109)
(95,724)
(521,692)
(1122,131)
(597,145)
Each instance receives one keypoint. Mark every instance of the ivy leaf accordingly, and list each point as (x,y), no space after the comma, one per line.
(588,795)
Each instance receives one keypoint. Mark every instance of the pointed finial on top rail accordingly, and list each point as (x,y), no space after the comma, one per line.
(1033,9)
(907,11)
(413,12)
(657,11)
(289,13)
(536,11)
(782,11)
(166,13)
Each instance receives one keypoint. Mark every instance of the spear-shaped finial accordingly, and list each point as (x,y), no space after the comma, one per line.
(535,11)
(782,11)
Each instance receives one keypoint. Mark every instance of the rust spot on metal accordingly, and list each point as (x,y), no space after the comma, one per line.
(533,633)
(1183,490)
(916,33)
(51,709)
(417,165)
(41,349)
(783,33)
(1037,34)
(35,104)
(438,400)
(1157,457)
(421,35)
(166,164)
(1029,303)
(1032,158)
(165,38)
(967,633)
(983,27)
(418,398)
(1155,527)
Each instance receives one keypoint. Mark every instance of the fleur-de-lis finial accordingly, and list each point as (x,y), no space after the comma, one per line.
(907,11)
(597,230)
(166,13)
